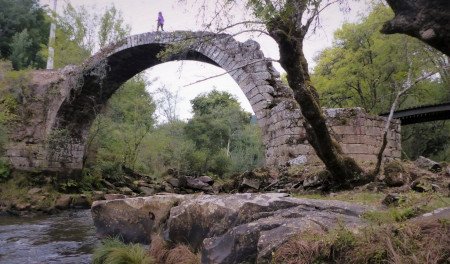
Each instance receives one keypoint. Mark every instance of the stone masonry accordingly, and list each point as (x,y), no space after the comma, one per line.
(63,103)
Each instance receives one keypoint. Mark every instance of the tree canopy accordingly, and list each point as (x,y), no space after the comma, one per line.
(365,68)
(24,27)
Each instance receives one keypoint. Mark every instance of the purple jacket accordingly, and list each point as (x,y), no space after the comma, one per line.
(160,19)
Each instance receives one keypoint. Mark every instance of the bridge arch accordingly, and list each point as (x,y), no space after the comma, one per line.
(101,75)
(107,71)
(66,102)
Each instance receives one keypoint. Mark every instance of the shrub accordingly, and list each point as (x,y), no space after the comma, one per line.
(5,171)
(114,251)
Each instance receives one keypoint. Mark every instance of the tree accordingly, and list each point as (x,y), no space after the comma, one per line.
(379,72)
(125,122)
(23,29)
(365,68)
(79,33)
(167,103)
(221,135)
(21,56)
(427,20)
(112,27)
(288,22)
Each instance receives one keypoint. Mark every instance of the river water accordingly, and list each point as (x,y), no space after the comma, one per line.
(68,237)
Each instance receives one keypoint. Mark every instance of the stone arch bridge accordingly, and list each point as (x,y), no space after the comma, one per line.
(62,104)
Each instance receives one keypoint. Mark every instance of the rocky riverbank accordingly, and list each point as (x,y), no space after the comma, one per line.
(38,193)
(410,200)
(245,227)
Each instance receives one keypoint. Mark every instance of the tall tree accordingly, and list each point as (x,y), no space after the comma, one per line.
(23,29)
(219,131)
(288,22)
(79,33)
(112,27)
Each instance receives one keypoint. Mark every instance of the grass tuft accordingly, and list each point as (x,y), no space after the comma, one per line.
(114,251)
(426,242)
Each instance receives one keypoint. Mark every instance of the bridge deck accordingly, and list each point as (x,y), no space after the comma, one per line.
(422,114)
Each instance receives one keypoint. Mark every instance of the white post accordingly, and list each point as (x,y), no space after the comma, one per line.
(51,40)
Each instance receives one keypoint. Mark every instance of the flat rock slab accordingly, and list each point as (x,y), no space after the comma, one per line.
(133,219)
(233,228)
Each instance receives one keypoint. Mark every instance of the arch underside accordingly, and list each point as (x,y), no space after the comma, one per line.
(77,114)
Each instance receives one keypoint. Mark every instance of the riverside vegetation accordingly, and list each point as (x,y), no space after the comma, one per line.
(130,153)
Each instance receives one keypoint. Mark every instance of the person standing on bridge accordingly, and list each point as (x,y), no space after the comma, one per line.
(160,21)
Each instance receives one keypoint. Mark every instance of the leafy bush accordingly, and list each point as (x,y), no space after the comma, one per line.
(5,171)
(114,251)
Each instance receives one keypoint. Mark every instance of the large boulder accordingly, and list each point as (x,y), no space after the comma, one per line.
(133,219)
(249,227)
(395,174)
(234,228)
(63,202)
(427,164)
(198,184)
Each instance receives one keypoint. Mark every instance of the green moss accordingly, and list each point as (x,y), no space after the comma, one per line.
(412,205)
(394,166)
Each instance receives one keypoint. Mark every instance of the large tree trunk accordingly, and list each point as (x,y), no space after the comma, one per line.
(289,34)
(427,20)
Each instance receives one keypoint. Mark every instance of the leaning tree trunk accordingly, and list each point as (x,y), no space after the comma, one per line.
(427,20)
(289,37)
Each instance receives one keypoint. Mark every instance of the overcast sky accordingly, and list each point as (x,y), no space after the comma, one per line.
(141,16)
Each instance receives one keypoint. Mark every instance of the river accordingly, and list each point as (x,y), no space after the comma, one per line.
(68,237)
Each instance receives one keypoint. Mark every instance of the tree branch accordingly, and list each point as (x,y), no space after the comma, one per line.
(228,72)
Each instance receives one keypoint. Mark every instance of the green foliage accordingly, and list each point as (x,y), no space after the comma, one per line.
(24,29)
(5,171)
(79,32)
(167,147)
(427,139)
(207,104)
(225,140)
(114,251)
(365,68)
(13,92)
(21,56)
(112,27)
(117,134)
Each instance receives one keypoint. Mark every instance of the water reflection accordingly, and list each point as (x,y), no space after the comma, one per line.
(68,237)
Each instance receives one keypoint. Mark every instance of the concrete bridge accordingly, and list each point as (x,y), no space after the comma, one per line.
(62,104)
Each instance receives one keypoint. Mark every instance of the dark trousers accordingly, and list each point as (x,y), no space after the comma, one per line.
(160,25)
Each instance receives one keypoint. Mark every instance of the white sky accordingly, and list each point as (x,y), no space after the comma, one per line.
(141,16)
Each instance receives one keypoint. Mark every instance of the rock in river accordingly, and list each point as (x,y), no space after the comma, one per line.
(232,228)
